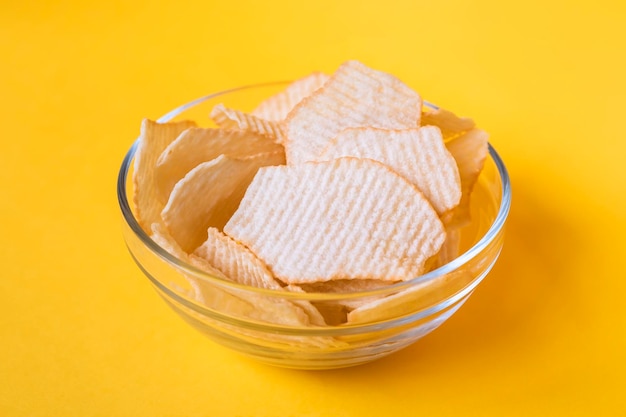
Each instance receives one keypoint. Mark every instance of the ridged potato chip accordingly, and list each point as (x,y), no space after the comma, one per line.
(239,264)
(419,155)
(162,238)
(450,124)
(470,151)
(277,107)
(248,305)
(153,139)
(343,219)
(237,119)
(341,286)
(315,316)
(197,145)
(354,96)
(347,286)
(411,300)
(208,195)
(235,261)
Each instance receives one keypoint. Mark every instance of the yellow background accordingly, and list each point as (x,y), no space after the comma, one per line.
(82,333)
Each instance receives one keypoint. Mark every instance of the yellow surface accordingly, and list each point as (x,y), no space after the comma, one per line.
(82,332)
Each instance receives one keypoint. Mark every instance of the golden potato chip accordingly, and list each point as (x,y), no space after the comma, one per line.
(419,155)
(354,96)
(242,305)
(197,145)
(411,300)
(208,195)
(236,119)
(333,312)
(343,219)
(470,151)
(276,107)
(235,261)
(344,286)
(239,264)
(315,316)
(154,137)
(450,124)
(162,238)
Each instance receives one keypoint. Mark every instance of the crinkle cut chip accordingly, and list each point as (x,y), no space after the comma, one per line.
(228,118)
(354,96)
(313,222)
(470,152)
(277,107)
(197,145)
(419,155)
(208,195)
(153,139)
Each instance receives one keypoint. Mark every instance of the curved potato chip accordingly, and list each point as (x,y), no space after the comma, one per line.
(470,151)
(411,300)
(345,285)
(162,238)
(321,221)
(208,195)
(153,139)
(239,264)
(235,261)
(315,316)
(332,312)
(340,286)
(278,106)
(450,124)
(246,305)
(197,145)
(419,155)
(354,96)
(237,119)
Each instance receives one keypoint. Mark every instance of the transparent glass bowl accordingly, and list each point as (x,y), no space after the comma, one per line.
(426,301)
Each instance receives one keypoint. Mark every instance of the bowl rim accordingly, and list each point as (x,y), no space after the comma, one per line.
(131,221)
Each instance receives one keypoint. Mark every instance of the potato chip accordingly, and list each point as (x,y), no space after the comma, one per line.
(343,219)
(247,305)
(450,124)
(342,286)
(411,300)
(315,316)
(154,137)
(197,145)
(208,195)
(470,151)
(354,96)
(236,119)
(334,313)
(239,264)
(419,155)
(235,261)
(161,237)
(277,107)
(345,286)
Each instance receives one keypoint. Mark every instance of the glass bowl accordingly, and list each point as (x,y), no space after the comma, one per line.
(421,304)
